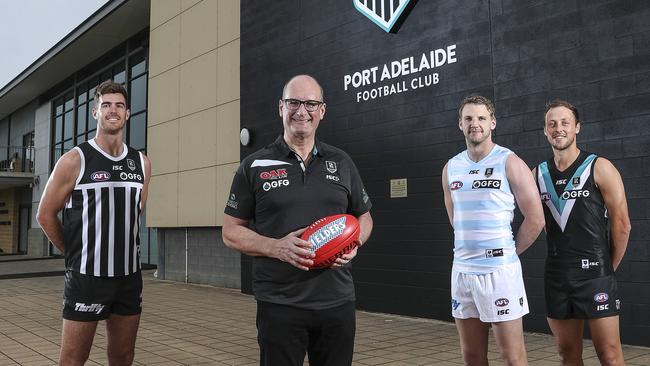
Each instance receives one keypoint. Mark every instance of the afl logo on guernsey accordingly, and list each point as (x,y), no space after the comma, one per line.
(100,176)
(455,185)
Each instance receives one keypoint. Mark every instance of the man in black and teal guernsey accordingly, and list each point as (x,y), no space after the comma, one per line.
(582,194)
(276,193)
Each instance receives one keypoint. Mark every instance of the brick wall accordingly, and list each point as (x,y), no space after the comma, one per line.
(522,54)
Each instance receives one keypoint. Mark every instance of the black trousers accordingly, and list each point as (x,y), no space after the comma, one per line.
(285,334)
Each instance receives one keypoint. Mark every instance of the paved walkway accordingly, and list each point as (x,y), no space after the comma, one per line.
(186,324)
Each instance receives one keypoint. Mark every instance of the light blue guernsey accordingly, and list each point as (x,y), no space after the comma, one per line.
(483,209)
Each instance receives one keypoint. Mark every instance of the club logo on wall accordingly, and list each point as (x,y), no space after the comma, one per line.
(384,13)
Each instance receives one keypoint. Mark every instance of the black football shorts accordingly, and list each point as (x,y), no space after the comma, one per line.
(585,298)
(91,298)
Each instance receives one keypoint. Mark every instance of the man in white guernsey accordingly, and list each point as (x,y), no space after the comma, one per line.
(101,187)
(481,186)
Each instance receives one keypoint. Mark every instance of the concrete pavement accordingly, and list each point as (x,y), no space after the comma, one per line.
(185,324)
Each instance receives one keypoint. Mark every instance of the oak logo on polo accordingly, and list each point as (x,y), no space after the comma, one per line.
(384,13)
(274,174)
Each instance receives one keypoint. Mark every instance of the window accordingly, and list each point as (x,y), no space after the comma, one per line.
(72,109)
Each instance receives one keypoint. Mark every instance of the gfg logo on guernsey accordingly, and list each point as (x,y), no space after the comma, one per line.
(567,195)
(383,13)
(486,183)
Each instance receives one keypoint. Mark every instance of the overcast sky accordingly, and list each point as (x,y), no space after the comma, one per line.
(28,28)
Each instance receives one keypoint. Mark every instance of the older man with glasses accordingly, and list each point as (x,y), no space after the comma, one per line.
(276,193)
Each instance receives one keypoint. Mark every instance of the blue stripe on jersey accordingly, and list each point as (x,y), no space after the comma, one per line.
(479,224)
(477,206)
(484,244)
(485,262)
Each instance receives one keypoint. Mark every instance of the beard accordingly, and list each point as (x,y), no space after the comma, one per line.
(474,140)
(563,144)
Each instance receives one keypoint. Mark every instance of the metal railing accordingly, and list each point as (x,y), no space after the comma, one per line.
(17,159)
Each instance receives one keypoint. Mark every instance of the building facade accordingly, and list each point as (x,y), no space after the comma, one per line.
(393,73)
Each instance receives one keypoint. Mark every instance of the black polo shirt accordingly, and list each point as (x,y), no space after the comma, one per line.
(278,193)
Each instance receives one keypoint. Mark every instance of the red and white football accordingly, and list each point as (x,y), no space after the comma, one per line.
(331,237)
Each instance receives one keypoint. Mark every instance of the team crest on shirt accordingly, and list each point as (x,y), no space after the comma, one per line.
(488,172)
(576,181)
(131,164)
(331,166)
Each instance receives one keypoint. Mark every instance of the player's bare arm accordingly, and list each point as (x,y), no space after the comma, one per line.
(449,205)
(57,191)
(527,197)
(610,183)
(290,249)
(147,176)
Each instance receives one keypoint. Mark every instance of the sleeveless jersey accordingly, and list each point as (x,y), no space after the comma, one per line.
(483,209)
(102,217)
(576,218)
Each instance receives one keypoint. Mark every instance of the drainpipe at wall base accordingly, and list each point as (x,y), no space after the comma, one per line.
(186,255)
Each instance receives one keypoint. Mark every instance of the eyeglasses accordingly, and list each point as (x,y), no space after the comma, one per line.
(310,105)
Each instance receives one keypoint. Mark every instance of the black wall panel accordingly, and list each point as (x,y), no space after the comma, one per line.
(595,53)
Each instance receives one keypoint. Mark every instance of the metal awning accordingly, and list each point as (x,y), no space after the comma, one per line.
(11,179)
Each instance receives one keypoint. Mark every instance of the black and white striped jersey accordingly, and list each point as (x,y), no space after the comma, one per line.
(102,217)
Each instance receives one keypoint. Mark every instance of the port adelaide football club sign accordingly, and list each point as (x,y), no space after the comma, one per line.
(406,72)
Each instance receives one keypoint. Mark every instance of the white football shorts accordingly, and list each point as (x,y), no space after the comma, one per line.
(492,297)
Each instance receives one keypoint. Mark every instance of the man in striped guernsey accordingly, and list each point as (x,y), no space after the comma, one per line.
(481,186)
(101,186)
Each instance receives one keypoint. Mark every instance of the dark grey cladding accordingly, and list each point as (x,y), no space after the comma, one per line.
(521,54)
